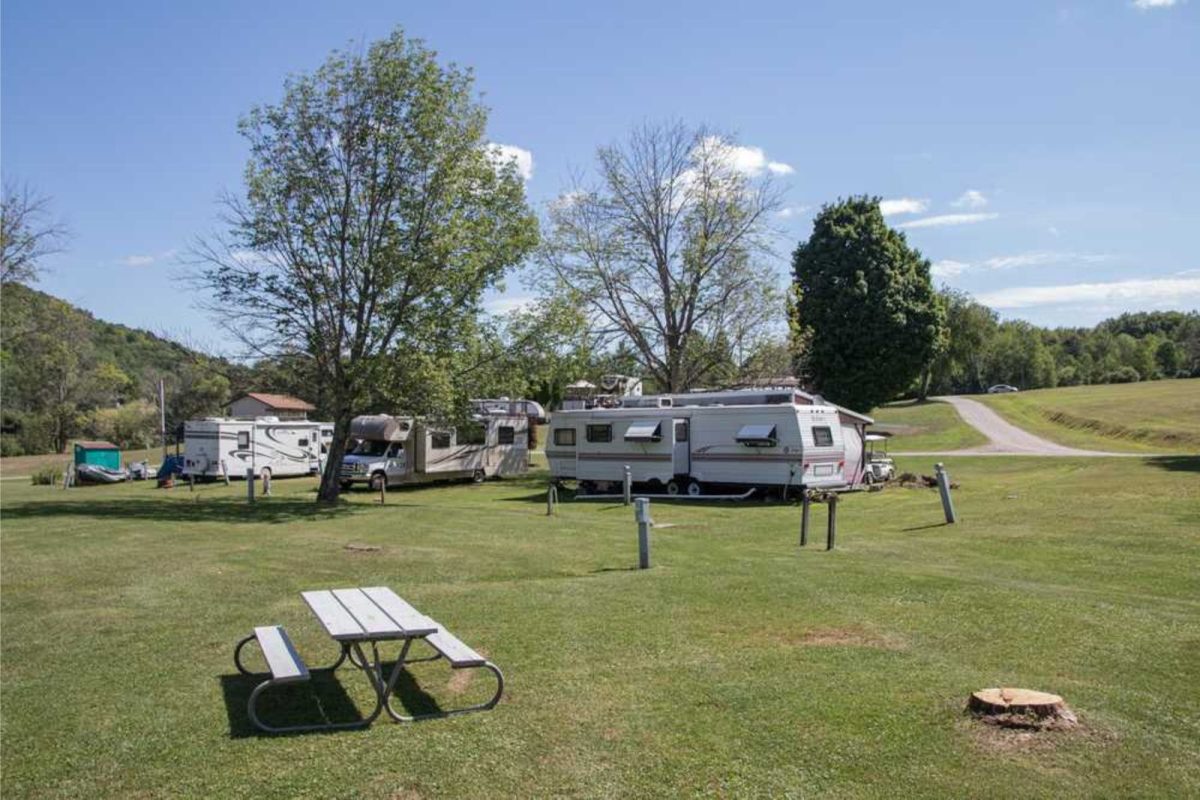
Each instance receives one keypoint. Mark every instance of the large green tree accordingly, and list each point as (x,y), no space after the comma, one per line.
(375,216)
(866,312)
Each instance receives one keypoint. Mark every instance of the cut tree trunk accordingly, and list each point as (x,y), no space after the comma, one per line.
(998,701)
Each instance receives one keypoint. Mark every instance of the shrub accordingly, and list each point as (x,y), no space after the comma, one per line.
(1122,375)
(47,476)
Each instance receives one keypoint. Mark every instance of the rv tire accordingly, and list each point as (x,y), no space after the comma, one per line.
(672,487)
(479,476)
(694,489)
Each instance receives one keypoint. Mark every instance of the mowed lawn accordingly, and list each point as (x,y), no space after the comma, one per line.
(1155,416)
(739,665)
(925,426)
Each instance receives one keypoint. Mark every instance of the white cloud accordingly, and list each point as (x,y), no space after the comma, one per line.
(1146,5)
(971,198)
(501,153)
(1041,258)
(148,259)
(903,205)
(947,219)
(1172,292)
(751,161)
(792,211)
(948,268)
(503,304)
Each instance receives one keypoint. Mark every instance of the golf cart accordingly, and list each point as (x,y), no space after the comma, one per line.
(878,466)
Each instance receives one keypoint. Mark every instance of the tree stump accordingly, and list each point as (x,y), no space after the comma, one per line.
(1013,704)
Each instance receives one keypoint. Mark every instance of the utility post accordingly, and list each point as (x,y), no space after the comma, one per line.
(250,485)
(628,484)
(641,512)
(943,482)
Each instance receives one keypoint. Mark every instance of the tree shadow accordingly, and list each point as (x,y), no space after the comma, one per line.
(320,700)
(227,510)
(1176,463)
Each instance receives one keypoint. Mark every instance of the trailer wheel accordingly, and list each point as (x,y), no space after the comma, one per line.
(694,489)
(478,476)
(378,481)
(672,487)
(868,477)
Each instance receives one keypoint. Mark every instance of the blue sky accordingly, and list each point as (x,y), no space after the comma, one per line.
(1045,156)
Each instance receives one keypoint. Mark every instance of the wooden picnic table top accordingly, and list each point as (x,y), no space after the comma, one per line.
(366,614)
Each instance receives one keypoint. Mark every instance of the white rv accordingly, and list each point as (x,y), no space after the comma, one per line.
(215,446)
(399,450)
(712,442)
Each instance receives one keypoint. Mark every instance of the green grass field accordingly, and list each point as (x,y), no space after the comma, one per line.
(1151,417)
(925,426)
(739,665)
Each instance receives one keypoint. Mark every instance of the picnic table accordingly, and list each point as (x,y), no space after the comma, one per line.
(360,621)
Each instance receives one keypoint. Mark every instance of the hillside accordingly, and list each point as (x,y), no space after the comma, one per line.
(66,374)
(1156,416)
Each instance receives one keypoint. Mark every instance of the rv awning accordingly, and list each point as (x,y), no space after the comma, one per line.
(757,435)
(644,432)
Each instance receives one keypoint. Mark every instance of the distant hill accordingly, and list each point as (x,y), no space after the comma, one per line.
(65,374)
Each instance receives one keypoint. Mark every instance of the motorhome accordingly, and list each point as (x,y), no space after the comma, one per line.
(218,446)
(773,441)
(395,450)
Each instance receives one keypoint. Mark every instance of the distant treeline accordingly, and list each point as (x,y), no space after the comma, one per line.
(980,351)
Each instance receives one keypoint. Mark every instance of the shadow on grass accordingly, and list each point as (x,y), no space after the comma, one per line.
(321,700)
(1176,463)
(274,510)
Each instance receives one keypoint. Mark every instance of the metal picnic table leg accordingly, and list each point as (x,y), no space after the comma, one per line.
(400,664)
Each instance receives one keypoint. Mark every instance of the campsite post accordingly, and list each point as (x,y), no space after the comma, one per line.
(831,534)
(628,484)
(250,484)
(551,498)
(943,482)
(641,512)
(805,505)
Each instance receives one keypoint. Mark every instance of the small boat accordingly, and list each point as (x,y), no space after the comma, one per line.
(93,473)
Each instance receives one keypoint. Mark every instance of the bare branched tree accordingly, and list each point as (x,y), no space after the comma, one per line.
(28,233)
(375,216)
(666,251)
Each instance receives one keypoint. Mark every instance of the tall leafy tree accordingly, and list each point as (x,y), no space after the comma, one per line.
(664,251)
(375,216)
(865,308)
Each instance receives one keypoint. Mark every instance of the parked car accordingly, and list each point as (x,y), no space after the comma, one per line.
(1002,388)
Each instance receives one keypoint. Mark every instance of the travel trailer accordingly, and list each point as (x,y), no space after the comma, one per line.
(215,446)
(770,440)
(609,394)
(397,450)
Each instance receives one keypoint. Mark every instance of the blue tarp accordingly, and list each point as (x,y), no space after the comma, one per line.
(171,466)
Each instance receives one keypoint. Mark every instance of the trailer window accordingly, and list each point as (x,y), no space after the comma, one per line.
(681,431)
(395,450)
(504,434)
(473,433)
(822,437)
(564,437)
(302,442)
(757,436)
(439,441)
(243,440)
(599,433)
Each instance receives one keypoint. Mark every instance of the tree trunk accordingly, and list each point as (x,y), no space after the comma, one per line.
(331,477)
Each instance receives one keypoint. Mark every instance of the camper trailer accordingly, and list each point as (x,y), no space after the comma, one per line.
(397,450)
(711,442)
(216,446)
(609,394)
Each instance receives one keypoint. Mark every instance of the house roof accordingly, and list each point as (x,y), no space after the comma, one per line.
(96,445)
(283,402)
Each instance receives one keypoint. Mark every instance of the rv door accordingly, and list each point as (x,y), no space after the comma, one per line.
(682,453)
